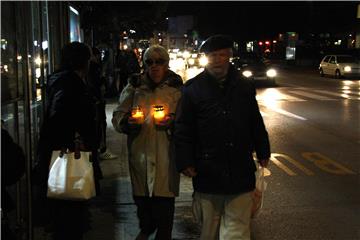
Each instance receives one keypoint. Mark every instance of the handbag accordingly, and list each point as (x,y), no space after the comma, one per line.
(71,176)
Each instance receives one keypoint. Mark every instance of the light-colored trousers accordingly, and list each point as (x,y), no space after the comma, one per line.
(224,217)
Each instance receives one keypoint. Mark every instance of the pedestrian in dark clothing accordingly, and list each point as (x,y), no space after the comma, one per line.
(96,79)
(12,169)
(127,65)
(97,85)
(70,110)
(218,126)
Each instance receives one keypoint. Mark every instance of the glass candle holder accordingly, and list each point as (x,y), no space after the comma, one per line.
(159,114)
(138,114)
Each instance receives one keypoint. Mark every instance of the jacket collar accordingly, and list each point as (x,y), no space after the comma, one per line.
(171,79)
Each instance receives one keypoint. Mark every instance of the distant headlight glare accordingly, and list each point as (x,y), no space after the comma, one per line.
(191,61)
(247,73)
(271,73)
(203,61)
(347,69)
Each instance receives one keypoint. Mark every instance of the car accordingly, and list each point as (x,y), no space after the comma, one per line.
(197,60)
(254,67)
(339,66)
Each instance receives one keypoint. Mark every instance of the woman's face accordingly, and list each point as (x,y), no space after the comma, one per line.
(156,67)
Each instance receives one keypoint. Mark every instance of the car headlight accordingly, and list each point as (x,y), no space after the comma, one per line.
(191,61)
(203,61)
(271,73)
(347,69)
(247,73)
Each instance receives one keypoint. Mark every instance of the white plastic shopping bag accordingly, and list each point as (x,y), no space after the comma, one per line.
(196,208)
(70,178)
(258,193)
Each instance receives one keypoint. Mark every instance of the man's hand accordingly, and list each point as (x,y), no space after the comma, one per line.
(189,172)
(264,162)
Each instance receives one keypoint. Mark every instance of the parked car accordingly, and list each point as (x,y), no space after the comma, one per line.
(339,66)
(253,66)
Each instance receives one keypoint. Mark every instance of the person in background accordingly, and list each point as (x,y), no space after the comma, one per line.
(127,64)
(218,126)
(70,110)
(146,113)
(97,85)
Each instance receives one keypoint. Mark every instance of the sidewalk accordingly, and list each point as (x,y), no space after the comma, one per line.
(113,214)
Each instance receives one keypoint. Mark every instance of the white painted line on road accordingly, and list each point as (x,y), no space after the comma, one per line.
(334,94)
(286,113)
(277,97)
(310,95)
(289,114)
(291,98)
(351,92)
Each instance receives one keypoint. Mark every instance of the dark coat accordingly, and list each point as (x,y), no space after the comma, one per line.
(217,129)
(12,168)
(70,108)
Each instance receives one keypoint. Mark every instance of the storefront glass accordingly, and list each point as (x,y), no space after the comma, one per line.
(75,34)
(10,94)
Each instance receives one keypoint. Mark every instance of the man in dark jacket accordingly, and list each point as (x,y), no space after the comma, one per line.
(218,127)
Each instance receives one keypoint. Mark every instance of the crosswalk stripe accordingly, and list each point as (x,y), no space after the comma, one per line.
(342,95)
(310,95)
(352,94)
(279,97)
(283,112)
(289,114)
(348,91)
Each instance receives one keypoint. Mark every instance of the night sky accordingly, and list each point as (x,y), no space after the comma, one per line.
(262,19)
(241,19)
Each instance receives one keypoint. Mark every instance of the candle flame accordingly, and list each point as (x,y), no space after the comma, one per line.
(159,114)
(137,114)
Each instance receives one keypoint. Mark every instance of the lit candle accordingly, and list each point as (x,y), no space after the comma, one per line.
(138,114)
(159,113)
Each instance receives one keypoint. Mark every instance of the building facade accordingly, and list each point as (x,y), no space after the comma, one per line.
(32,34)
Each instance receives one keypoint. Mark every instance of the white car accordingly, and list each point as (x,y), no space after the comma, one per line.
(339,66)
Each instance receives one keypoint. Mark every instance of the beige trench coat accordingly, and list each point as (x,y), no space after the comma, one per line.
(152,169)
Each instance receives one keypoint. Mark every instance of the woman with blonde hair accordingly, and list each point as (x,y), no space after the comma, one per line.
(145,113)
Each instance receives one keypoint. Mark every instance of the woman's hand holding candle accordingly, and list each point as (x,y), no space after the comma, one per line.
(159,114)
(165,121)
(137,116)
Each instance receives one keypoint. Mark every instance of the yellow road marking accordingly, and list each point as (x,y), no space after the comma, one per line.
(291,160)
(282,166)
(326,164)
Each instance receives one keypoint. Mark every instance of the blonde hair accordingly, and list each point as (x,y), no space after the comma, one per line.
(159,50)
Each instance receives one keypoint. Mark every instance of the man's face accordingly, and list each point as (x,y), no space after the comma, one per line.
(157,68)
(218,62)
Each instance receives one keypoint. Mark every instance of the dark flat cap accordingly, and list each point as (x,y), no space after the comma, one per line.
(216,42)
